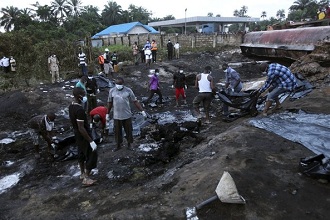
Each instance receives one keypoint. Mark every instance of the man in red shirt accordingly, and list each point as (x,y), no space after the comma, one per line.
(100,117)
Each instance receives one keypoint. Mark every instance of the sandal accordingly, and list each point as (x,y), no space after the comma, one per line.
(88,182)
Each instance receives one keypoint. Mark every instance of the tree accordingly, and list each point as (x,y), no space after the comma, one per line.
(60,9)
(218,15)
(236,13)
(44,13)
(280,14)
(243,11)
(210,14)
(75,7)
(10,15)
(111,13)
(263,14)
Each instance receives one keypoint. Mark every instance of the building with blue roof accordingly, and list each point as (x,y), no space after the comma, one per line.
(125,29)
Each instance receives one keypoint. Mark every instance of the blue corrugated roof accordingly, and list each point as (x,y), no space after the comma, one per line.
(123,29)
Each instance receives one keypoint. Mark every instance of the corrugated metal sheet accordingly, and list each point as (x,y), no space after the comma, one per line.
(289,43)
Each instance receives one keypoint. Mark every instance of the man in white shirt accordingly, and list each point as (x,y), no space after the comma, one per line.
(177,50)
(205,85)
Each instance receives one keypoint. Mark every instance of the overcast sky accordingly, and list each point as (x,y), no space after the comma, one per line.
(162,8)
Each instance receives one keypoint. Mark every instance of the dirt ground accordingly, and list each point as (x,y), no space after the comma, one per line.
(263,165)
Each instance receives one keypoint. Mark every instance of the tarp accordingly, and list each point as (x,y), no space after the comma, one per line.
(310,130)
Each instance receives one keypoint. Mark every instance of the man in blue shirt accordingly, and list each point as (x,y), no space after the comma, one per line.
(279,80)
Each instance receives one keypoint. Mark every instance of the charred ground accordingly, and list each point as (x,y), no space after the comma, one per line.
(134,186)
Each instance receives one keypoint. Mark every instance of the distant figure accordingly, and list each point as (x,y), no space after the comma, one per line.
(87,148)
(233,83)
(119,99)
(82,62)
(53,67)
(148,56)
(92,89)
(114,59)
(179,83)
(154,87)
(107,63)
(177,50)
(279,80)
(143,56)
(42,125)
(154,51)
(12,62)
(5,64)
(135,50)
(169,50)
(147,45)
(204,83)
(100,59)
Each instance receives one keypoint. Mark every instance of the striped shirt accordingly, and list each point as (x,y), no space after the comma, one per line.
(279,76)
(82,58)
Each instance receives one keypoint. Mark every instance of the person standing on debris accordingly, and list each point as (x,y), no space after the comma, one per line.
(12,62)
(82,84)
(42,125)
(82,62)
(100,59)
(279,80)
(154,51)
(92,89)
(100,119)
(169,50)
(179,83)
(135,50)
(154,87)
(177,50)
(148,56)
(205,85)
(87,148)
(53,67)
(119,99)
(233,83)
(107,63)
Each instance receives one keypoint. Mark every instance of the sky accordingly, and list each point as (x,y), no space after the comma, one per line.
(177,8)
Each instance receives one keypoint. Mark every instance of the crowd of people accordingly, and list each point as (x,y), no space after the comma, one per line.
(86,114)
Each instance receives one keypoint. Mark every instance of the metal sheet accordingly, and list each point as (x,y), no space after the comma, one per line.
(289,43)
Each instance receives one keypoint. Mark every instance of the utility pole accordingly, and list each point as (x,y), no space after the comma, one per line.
(185,21)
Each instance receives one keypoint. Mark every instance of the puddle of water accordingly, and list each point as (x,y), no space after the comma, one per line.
(310,130)
(8,182)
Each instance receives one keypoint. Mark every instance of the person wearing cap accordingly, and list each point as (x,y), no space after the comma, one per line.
(107,63)
(205,85)
(42,125)
(279,80)
(179,83)
(233,83)
(169,46)
(100,119)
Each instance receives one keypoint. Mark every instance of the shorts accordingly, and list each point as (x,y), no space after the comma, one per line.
(178,92)
(205,97)
(273,95)
(85,153)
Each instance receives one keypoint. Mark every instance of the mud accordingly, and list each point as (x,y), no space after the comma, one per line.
(161,184)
